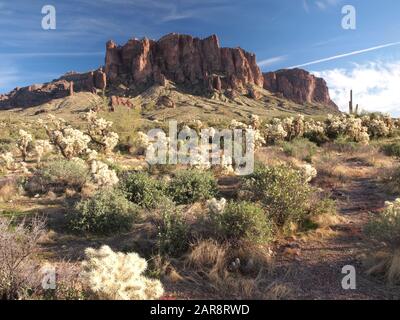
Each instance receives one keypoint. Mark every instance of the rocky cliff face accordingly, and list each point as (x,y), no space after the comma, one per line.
(38,94)
(196,64)
(299,86)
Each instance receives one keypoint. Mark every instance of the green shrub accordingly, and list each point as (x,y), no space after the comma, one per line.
(6,145)
(386,226)
(143,190)
(318,138)
(300,148)
(108,211)
(172,231)
(323,205)
(242,221)
(282,191)
(343,144)
(189,186)
(392,150)
(57,176)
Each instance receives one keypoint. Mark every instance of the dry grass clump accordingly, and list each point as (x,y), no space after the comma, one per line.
(229,271)
(386,227)
(384,264)
(8,190)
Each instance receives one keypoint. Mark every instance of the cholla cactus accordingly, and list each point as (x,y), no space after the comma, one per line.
(23,142)
(100,132)
(197,125)
(113,275)
(102,175)
(215,206)
(363,136)
(378,128)
(237,125)
(255,121)
(308,171)
(294,127)
(298,126)
(275,131)
(7,160)
(392,211)
(227,165)
(142,140)
(259,140)
(71,142)
(42,147)
(335,125)
(314,127)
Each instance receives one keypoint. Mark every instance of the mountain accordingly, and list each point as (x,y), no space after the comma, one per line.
(299,86)
(199,67)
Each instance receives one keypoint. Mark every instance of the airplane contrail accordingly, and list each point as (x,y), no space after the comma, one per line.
(346,54)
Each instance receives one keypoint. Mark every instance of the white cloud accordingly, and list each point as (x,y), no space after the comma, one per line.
(271,61)
(376,86)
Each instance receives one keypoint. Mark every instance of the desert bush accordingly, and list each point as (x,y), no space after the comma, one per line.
(242,221)
(343,144)
(300,148)
(57,176)
(108,211)
(5,145)
(142,189)
(387,226)
(189,186)
(282,191)
(392,149)
(18,246)
(113,275)
(172,230)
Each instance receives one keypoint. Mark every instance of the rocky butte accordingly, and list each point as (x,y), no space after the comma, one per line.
(199,65)
(299,86)
(194,65)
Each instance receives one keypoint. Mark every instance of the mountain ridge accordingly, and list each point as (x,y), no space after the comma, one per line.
(198,66)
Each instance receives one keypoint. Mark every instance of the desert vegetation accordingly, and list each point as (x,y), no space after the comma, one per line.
(78,197)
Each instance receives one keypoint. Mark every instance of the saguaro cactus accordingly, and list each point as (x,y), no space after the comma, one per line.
(351,102)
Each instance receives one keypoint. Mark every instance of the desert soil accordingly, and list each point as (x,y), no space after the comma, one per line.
(313,268)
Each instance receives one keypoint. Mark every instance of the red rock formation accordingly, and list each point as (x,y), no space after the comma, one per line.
(120,101)
(67,85)
(299,86)
(190,62)
(195,65)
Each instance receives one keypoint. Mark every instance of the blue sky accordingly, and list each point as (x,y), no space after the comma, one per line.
(282,33)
